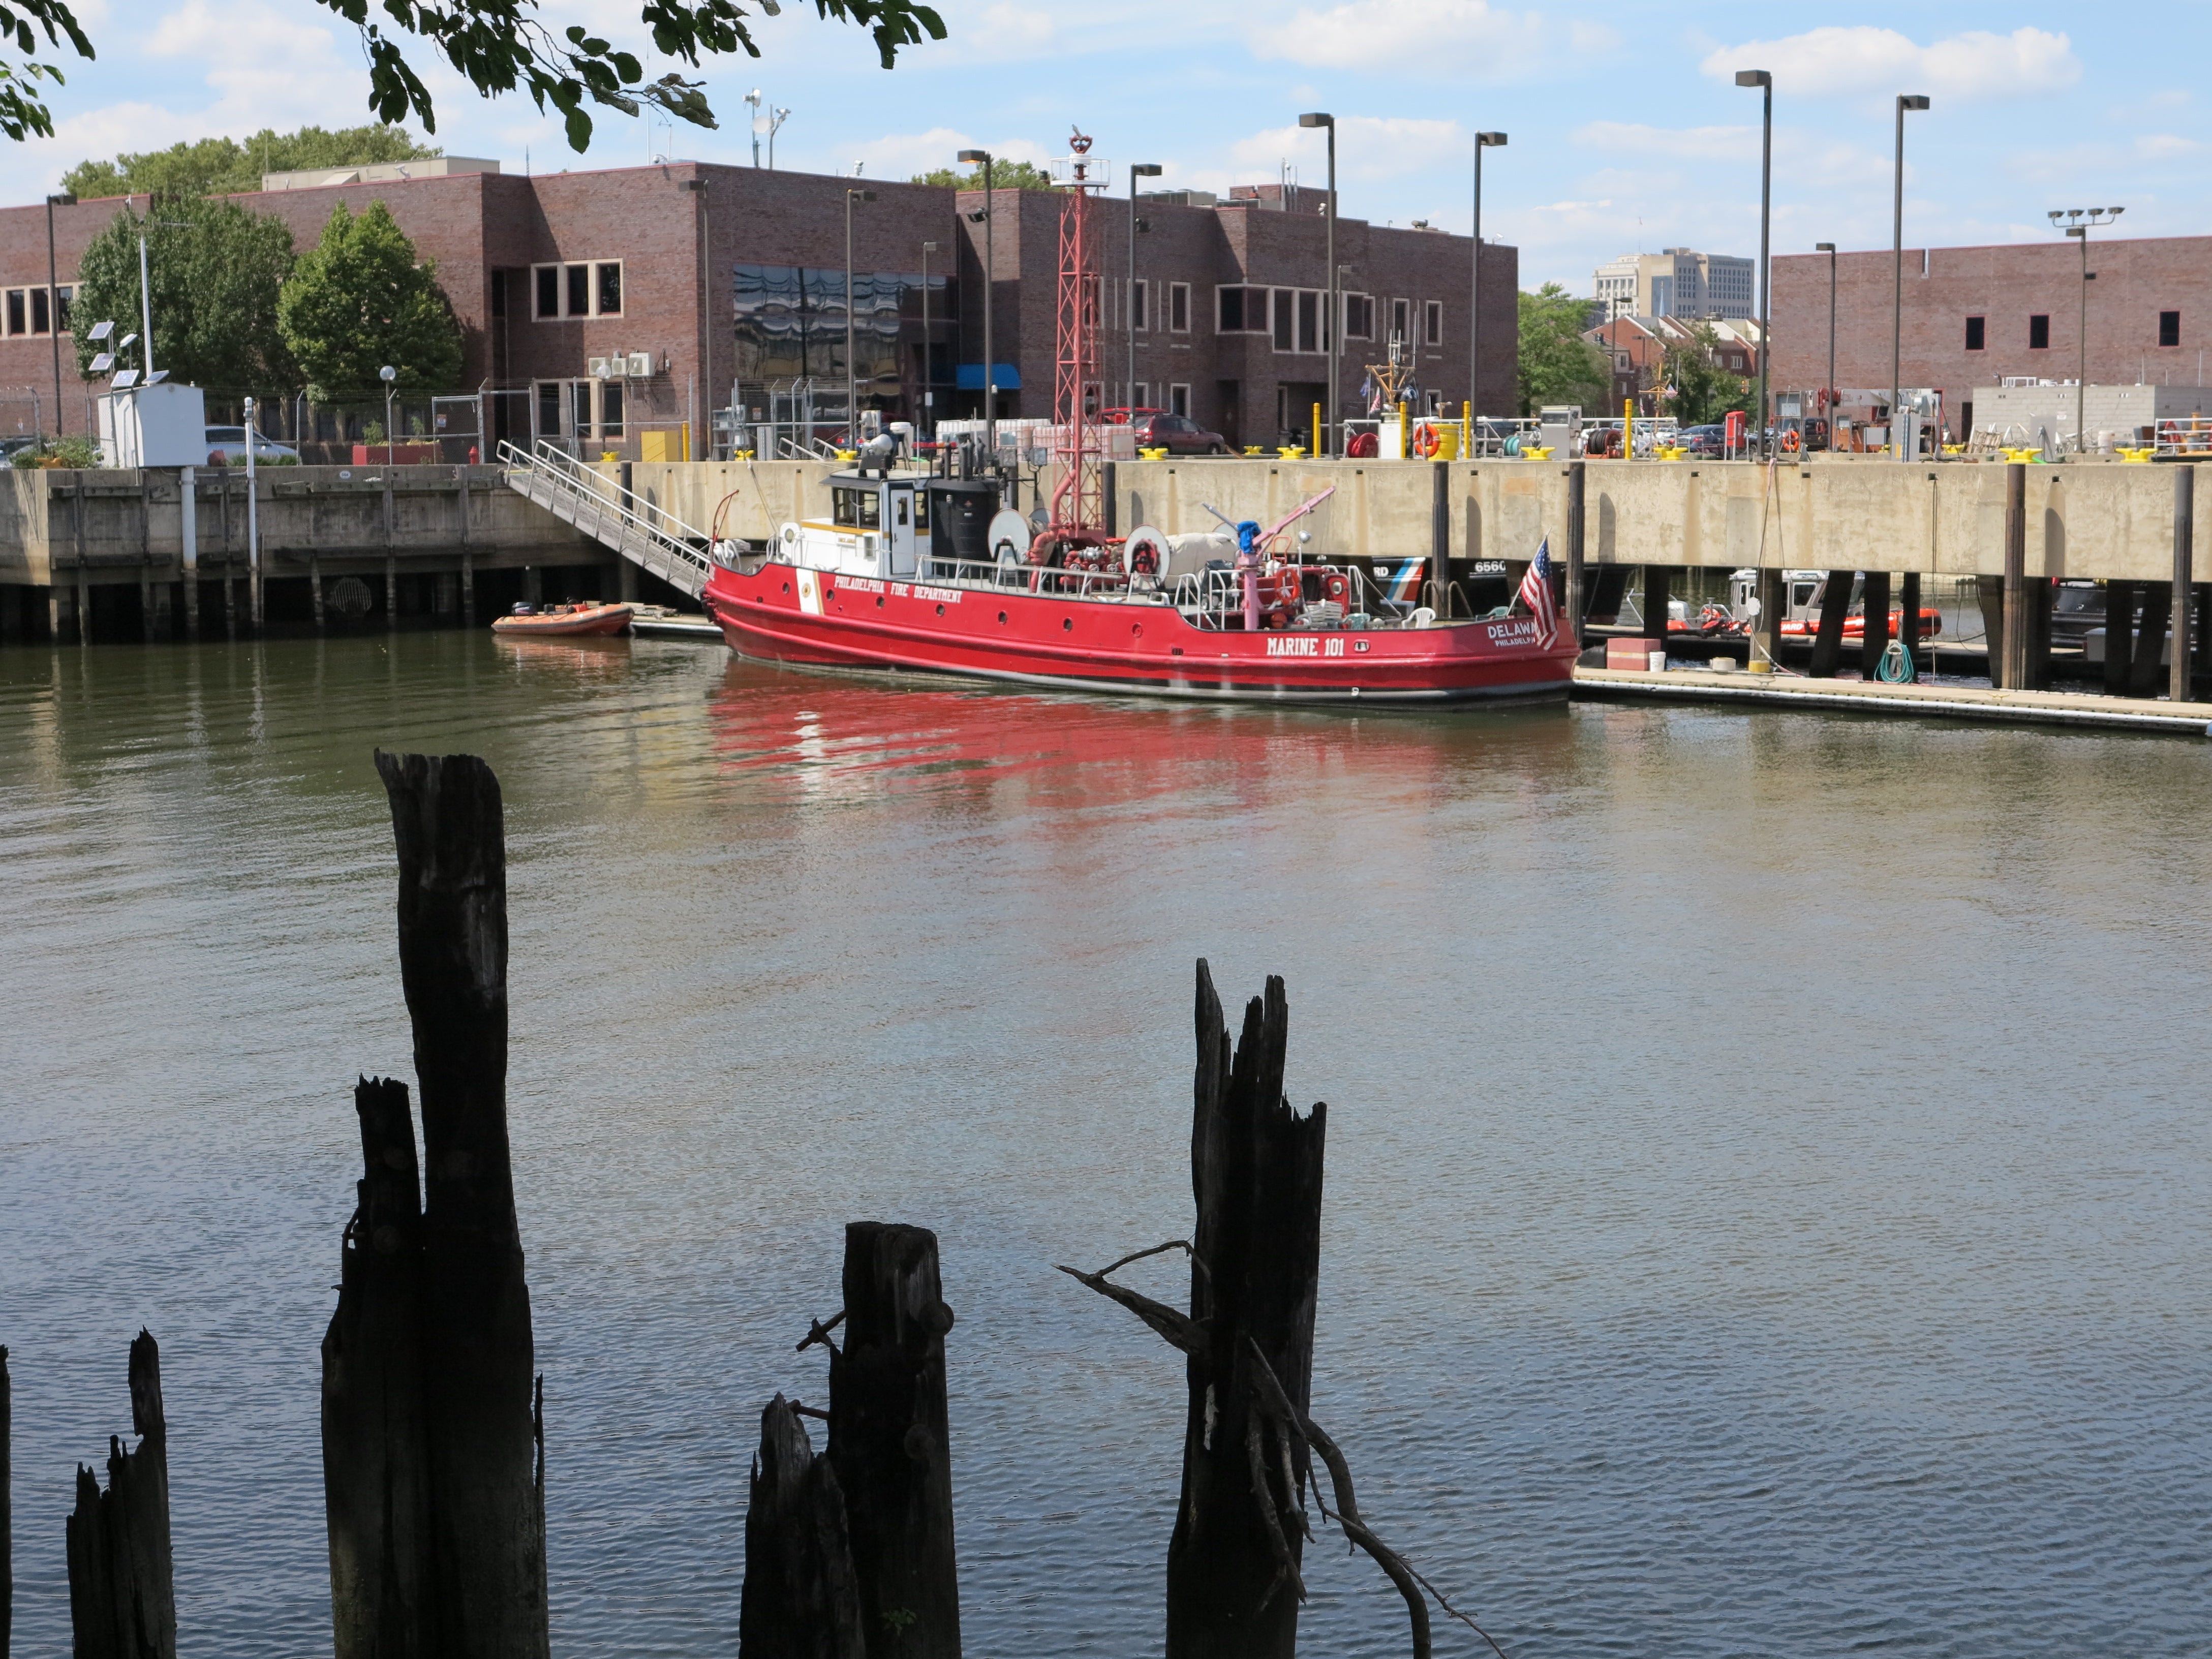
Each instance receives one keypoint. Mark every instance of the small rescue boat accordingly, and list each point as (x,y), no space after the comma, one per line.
(564,621)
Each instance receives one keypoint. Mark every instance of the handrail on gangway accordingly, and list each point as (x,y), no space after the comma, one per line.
(647,534)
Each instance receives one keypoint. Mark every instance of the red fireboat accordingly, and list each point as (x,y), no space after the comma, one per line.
(916,572)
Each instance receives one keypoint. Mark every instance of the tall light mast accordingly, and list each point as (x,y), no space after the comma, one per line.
(1078,517)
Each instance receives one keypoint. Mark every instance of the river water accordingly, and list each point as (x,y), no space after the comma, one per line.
(1769,1202)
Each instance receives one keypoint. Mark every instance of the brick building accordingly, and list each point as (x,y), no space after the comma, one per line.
(713,279)
(1976,316)
(1637,347)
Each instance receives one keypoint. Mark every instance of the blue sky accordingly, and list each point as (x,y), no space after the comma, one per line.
(1627,130)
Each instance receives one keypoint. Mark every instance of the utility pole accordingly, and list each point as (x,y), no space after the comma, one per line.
(1904,101)
(1137,170)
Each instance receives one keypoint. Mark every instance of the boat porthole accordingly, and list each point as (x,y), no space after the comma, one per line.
(786,587)
(880,601)
(1002,616)
(1067,624)
(1136,630)
(940,610)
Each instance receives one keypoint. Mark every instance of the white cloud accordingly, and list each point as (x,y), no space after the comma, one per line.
(1862,59)
(2166,146)
(901,155)
(1418,37)
(1368,148)
(1642,143)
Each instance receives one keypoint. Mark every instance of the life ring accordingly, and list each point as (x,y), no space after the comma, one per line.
(1789,442)
(1288,587)
(1363,446)
(1426,441)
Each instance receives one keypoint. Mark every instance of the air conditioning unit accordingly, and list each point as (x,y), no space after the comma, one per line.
(596,367)
(641,365)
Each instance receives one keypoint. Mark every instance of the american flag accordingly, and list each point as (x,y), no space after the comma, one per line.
(1537,592)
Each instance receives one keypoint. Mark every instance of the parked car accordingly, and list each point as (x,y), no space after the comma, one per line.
(10,446)
(1703,440)
(227,447)
(1155,428)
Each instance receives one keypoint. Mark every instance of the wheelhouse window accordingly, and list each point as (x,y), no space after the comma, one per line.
(1976,332)
(852,508)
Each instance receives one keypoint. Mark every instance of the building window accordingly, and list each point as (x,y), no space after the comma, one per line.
(1402,320)
(18,318)
(1141,395)
(41,312)
(2038,333)
(62,298)
(1358,316)
(572,290)
(1179,308)
(1284,299)
(2169,328)
(548,290)
(611,408)
(580,290)
(1974,333)
(1309,310)
(1433,321)
(609,284)
(548,408)
(1179,401)
(580,400)
(1137,314)
(1241,311)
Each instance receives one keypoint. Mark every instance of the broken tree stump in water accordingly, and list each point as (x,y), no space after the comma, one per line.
(122,1603)
(889,1440)
(801,1598)
(1250,1439)
(448,1564)
(376,1476)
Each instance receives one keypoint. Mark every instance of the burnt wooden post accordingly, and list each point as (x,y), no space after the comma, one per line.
(889,1442)
(481,1425)
(1828,640)
(801,1599)
(1874,636)
(375,1479)
(122,1603)
(1233,1584)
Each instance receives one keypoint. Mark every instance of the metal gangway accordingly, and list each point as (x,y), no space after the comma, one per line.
(648,535)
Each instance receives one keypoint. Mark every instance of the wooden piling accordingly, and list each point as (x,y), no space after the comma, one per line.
(1766,627)
(375,1473)
(801,1597)
(468,589)
(1233,1561)
(1835,608)
(315,591)
(2143,668)
(1656,599)
(1440,535)
(890,1441)
(482,1429)
(122,1603)
(2185,535)
(1873,635)
(2014,666)
(1908,600)
(2119,636)
(1578,548)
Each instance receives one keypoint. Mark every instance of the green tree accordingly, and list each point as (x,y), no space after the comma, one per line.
(219,167)
(1699,391)
(358,299)
(1558,366)
(214,271)
(495,45)
(1005,175)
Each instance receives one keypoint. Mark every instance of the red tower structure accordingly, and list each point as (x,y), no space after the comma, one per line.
(1079,518)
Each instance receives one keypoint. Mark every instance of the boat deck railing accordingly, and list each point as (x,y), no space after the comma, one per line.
(647,535)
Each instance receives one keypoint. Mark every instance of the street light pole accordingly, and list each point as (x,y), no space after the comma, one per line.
(1332,329)
(2082,220)
(852,368)
(1482,141)
(982,158)
(1137,170)
(1829,248)
(753,98)
(1904,101)
(1764,80)
(928,395)
(54,303)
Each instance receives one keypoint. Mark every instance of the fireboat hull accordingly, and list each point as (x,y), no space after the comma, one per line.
(1121,645)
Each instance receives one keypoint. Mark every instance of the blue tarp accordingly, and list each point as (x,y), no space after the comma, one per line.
(971,377)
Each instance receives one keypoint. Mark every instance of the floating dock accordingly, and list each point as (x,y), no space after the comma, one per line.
(1959,702)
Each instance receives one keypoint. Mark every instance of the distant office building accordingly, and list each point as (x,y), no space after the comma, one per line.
(1678,282)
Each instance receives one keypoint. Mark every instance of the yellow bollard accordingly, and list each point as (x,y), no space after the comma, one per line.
(1319,448)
